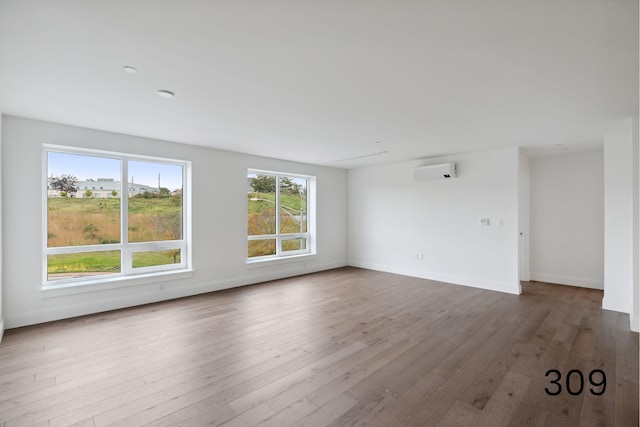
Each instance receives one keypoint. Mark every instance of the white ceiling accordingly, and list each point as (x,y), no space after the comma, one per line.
(320,81)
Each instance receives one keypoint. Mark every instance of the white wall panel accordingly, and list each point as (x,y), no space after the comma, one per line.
(567,219)
(432,229)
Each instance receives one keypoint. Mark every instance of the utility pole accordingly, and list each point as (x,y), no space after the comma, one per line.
(158,182)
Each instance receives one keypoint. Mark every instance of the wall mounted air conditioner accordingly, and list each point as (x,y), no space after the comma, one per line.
(439,171)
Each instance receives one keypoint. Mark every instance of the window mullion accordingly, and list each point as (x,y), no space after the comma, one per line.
(307,220)
(125,254)
(278,241)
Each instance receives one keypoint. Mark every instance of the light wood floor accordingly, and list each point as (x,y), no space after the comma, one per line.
(343,347)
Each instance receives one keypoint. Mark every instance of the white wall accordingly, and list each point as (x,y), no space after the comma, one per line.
(618,222)
(635,312)
(219,221)
(1,240)
(392,220)
(524,220)
(567,219)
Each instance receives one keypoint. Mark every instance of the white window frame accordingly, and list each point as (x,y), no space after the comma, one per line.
(126,248)
(280,237)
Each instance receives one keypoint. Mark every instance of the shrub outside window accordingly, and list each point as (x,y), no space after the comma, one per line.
(112,214)
(278,215)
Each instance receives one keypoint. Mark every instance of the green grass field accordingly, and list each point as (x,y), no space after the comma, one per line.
(89,221)
(261,219)
(85,221)
(83,264)
(295,202)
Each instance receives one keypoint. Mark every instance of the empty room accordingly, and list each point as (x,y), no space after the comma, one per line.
(337,213)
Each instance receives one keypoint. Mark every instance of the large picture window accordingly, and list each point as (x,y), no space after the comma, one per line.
(112,214)
(278,215)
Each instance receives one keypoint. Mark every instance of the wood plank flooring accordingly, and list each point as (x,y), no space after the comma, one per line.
(342,347)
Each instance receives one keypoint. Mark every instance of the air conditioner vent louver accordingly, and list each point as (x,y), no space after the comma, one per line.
(439,171)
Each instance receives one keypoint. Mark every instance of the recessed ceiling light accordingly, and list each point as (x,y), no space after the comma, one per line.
(130,70)
(166,93)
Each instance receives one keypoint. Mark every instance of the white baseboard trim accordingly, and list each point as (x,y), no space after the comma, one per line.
(568,280)
(510,288)
(1,329)
(634,324)
(616,305)
(161,292)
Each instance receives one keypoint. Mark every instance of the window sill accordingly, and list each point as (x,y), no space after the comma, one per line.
(265,262)
(108,283)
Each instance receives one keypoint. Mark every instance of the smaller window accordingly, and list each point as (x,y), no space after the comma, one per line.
(279,221)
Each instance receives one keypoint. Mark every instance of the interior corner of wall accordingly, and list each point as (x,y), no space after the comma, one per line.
(634,324)
(1,329)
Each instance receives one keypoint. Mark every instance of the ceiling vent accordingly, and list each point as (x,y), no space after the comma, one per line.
(439,171)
